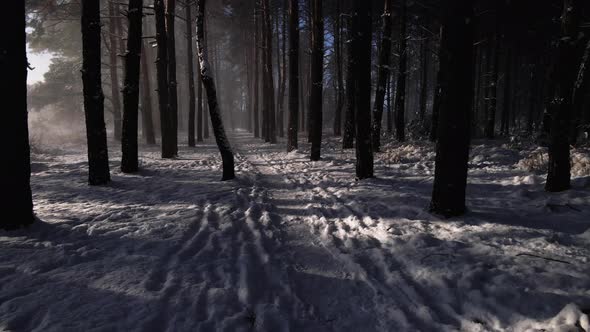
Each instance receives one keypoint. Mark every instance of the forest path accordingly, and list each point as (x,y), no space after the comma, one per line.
(293,245)
(341,262)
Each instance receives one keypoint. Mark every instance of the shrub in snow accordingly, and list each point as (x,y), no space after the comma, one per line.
(537,160)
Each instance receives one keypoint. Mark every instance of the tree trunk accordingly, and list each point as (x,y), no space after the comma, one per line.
(269,123)
(382,74)
(580,87)
(146,114)
(437,95)
(452,149)
(493,86)
(256,69)
(98,158)
(223,144)
(191,75)
(200,122)
(424,80)
(362,84)
(115,90)
(293,74)
(400,94)
(129,160)
(339,74)
(349,121)
(162,78)
(16,202)
(504,126)
(558,176)
(317,77)
(172,84)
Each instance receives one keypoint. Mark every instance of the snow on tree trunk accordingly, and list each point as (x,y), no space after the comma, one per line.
(146,110)
(223,144)
(98,157)
(115,100)
(129,160)
(16,200)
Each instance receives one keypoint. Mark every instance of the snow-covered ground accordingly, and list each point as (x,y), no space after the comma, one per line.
(294,245)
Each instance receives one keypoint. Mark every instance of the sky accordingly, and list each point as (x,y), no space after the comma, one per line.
(40,62)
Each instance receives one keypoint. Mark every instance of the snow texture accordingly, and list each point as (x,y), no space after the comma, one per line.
(294,245)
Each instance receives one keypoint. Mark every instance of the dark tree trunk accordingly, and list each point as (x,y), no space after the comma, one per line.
(558,176)
(349,117)
(16,202)
(293,74)
(362,83)
(339,74)
(424,80)
(580,87)
(452,148)
(504,127)
(162,78)
(129,160)
(98,156)
(172,83)
(256,91)
(146,112)
(283,77)
(191,75)
(115,90)
(317,77)
(223,144)
(493,86)
(437,95)
(382,74)
(269,126)
(400,94)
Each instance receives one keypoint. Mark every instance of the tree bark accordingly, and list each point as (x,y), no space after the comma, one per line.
(382,74)
(339,74)
(317,77)
(115,90)
(581,86)
(16,202)
(256,69)
(190,74)
(452,149)
(558,175)
(293,74)
(349,117)
(200,115)
(269,123)
(146,110)
(98,157)
(172,83)
(362,84)
(400,95)
(162,78)
(129,160)
(223,144)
